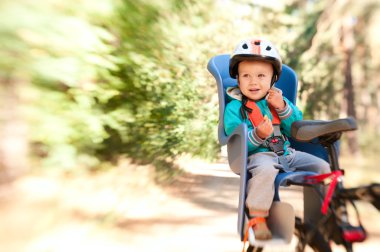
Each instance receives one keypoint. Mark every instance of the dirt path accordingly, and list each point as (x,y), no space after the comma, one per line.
(121,210)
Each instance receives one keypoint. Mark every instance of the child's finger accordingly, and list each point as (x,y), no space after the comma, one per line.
(277,90)
(267,120)
(268,123)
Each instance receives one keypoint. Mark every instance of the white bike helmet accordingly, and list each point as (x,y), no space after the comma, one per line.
(256,49)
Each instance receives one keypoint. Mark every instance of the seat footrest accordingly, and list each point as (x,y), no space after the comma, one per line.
(281,222)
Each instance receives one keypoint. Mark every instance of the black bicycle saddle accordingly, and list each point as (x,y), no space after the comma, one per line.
(307,130)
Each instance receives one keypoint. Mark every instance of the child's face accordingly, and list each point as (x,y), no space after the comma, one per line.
(254,78)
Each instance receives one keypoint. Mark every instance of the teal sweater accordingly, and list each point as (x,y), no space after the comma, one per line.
(233,118)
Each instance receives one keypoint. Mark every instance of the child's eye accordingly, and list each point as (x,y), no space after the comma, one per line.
(261,75)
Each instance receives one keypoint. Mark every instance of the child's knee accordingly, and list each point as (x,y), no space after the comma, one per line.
(264,171)
(325,167)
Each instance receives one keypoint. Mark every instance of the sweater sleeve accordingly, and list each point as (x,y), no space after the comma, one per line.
(288,115)
(233,118)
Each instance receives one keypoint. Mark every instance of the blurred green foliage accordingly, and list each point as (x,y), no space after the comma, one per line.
(108,79)
(101,79)
(159,110)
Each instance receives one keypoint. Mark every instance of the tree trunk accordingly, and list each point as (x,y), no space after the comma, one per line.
(348,43)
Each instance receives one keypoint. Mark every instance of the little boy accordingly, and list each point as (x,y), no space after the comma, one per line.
(257,65)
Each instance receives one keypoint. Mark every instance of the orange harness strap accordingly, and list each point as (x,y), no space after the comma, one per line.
(252,222)
(256,117)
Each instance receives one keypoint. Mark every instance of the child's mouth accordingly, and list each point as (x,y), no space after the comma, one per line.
(254,90)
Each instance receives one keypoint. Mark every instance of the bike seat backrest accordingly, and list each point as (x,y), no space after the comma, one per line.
(219,68)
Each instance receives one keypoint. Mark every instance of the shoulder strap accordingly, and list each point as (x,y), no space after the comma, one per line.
(256,117)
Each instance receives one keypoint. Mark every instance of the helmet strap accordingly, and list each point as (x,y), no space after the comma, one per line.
(274,79)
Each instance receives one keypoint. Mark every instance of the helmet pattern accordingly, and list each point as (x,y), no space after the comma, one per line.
(256,49)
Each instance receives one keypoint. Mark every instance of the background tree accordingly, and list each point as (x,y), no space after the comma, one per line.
(328,68)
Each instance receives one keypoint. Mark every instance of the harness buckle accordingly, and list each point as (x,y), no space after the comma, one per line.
(276,144)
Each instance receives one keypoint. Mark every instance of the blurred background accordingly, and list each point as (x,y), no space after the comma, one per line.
(106,107)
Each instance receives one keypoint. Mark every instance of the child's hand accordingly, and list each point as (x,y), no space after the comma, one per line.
(275,98)
(265,128)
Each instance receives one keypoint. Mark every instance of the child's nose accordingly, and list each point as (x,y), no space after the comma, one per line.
(255,80)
